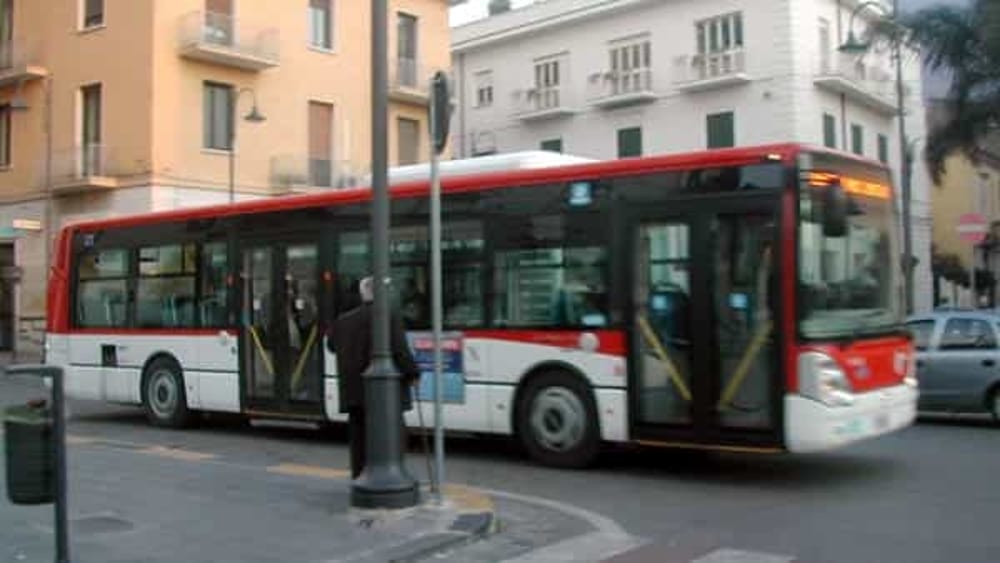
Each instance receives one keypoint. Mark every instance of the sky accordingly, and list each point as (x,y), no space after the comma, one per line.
(475,9)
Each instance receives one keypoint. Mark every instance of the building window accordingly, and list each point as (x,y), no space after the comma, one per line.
(91,158)
(825,46)
(93,13)
(629,142)
(720,34)
(857,139)
(484,89)
(5,136)
(547,78)
(406,49)
(829,131)
(721,130)
(321,24)
(554,145)
(409,141)
(320,144)
(883,149)
(218,116)
(630,63)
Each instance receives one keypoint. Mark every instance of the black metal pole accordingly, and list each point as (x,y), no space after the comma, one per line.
(232,146)
(906,173)
(384,482)
(55,373)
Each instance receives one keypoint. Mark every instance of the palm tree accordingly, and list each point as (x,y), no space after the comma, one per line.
(964,42)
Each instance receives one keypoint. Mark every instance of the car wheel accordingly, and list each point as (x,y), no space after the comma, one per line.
(557,421)
(163,396)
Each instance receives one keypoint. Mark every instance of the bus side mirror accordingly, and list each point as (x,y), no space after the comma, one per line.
(836,207)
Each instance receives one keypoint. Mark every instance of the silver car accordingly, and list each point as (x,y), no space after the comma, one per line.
(958,361)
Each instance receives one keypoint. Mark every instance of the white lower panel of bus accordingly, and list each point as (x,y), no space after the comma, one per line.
(811,426)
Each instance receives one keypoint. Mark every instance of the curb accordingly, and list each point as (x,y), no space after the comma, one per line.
(467,515)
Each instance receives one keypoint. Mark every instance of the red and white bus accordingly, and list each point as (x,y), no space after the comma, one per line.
(743,299)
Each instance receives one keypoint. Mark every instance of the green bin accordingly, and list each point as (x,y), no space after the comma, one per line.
(31,464)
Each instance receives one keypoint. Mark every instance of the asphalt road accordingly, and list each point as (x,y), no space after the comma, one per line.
(927,494)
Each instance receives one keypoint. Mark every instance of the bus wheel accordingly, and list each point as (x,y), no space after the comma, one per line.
(163,395)
(557,421)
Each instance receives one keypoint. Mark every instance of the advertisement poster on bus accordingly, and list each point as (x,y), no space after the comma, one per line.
(453,379)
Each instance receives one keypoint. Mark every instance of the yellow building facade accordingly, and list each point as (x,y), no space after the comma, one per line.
(111,107)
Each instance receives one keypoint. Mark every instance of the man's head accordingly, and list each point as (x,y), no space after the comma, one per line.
(367,289)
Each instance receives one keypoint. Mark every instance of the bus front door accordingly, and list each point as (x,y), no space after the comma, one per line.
(280,340)
(703,369)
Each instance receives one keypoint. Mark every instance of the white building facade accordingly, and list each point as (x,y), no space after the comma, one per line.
(618,78)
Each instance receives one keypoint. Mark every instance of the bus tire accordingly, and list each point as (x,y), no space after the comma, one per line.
(557,421)
(163,396)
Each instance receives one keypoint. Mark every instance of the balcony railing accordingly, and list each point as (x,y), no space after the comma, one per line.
(705,71)
(621,87)
(90,166)
(541,103)
(408,81)
(298,171)
(20,60)
(866,83)
(222,39)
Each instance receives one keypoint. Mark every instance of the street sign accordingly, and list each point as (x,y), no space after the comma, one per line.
(972,228)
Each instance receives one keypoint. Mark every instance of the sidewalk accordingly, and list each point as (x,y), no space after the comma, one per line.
(136,503)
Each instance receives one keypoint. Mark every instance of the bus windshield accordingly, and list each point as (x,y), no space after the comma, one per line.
(848,280)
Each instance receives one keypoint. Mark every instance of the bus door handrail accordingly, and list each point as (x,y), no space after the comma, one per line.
(743,367)
(661,352)
(300,364)
(260,349)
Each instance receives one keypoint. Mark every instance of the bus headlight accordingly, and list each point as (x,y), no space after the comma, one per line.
(821,379)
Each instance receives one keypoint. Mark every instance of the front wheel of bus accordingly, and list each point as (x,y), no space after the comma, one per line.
(163,396)
(557,421)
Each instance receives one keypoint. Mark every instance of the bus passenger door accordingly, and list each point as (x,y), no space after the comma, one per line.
(281,341)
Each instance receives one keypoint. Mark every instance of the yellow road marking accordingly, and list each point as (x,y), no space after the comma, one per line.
(175,453)
(468,499)
(301,470)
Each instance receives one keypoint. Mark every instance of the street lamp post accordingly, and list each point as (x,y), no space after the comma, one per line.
(855,46)
(384,481)
(254,116)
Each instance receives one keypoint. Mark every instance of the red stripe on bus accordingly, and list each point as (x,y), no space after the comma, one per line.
(610,342)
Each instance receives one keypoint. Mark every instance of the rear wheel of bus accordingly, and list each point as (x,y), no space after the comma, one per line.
(163,396)
(557,421)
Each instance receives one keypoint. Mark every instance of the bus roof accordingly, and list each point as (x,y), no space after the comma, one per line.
(537,167)
(509,162)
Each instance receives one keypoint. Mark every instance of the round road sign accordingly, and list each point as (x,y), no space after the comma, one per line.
(972,228)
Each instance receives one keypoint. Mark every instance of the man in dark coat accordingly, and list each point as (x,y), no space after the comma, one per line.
(352,343)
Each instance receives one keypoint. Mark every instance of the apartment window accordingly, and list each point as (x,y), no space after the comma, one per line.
(721,130)
(720,34)
(320,144)
(321,23)
(218,116)
(547,74)
(409,141)
(829,131)
(5,136)
(629,142)
(857,139)
(90,97)
(630,63)
(219,22)
(484,89)
(825,46)
(93,13)
(406,49)
(883,149)
(554,145)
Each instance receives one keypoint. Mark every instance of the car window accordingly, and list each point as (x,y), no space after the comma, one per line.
(968,334)
(921,331)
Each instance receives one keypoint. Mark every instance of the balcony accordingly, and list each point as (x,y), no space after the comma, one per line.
(708,71)
(20,62)
(85,168)
(291,172)
(536,104)
(866,84)
(618,88)
(409,83)
(220,39)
